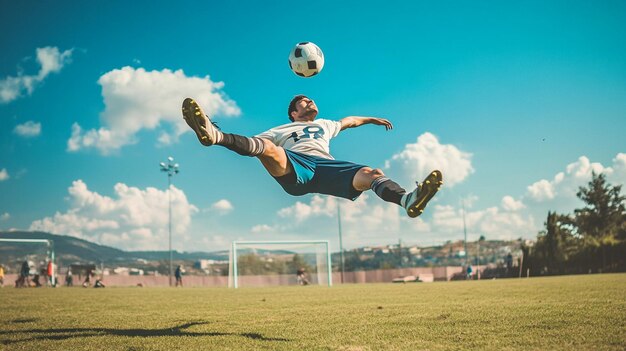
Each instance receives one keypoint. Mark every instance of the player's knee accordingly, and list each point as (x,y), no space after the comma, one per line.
(365,170)
(377,173)
(269,148)
(268,144)
(371,172)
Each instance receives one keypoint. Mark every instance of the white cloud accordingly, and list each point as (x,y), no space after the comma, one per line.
(135,219)
(510,204)
(262,228)
(619,165)
(136,99)
(564,186)
(559,193)
(28,129)
(417,160)
(371,221)
(5,216)
(468,201)
(214,242)
(222,206)
(319,206)
(362,220)
(164,139)
(541,190)
(4,175)
(491,222)
(513,218)
(49,58)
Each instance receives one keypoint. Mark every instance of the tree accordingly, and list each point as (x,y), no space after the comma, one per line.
(602,222)
(556,245)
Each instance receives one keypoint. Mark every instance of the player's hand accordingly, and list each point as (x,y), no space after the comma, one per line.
(382,122)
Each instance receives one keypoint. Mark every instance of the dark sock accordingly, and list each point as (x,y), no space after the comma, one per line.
(388,190)
(243,145)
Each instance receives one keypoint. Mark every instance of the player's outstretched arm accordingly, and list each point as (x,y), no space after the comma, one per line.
(356,121)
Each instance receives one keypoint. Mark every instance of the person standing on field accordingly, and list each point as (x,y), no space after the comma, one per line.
(24,280)
(49,274)
(179,276)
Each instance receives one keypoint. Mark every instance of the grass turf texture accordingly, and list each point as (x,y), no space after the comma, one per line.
(556,313)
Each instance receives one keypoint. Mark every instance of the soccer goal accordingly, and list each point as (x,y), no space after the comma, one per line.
(34,252)
(273,263)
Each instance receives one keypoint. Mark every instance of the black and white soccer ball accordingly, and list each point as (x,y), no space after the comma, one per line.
(306,59)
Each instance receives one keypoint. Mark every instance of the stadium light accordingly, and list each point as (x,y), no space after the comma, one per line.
(340,240)
(170,168)
(465,234)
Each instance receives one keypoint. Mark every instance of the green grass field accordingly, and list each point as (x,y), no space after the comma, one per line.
(558,313)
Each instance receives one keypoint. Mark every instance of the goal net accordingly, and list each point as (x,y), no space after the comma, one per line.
(32,255)
(274,263)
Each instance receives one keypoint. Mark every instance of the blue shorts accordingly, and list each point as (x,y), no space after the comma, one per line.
(320,175)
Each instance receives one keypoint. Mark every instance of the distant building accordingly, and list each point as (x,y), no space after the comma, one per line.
(121,270)
(128,271)
(202,264)
(135,271)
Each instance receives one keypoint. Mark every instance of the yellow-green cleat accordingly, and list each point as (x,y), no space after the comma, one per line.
(416,201)
(206,131)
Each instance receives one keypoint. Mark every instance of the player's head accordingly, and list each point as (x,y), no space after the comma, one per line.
(301,108)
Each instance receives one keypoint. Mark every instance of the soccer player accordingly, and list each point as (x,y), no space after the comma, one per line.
(297,155)
(301,277)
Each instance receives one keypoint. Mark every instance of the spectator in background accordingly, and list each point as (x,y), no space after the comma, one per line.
(69,279)
(36,280)
(469,272)
(87,282)
(509,264)
(179,275)
(1,276)
(24,279)
(49,272)
(301,277)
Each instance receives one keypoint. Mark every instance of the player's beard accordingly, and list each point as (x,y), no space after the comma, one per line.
(310,114)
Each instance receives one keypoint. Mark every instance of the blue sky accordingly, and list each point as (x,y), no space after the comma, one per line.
(515,102)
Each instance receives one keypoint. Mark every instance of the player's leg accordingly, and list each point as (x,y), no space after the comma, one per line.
(271,156)
(209,134)
(275,160)
(367,178)
(388,190)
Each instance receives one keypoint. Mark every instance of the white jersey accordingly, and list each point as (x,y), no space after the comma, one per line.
(310,138)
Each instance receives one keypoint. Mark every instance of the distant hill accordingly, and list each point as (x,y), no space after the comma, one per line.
(71,250)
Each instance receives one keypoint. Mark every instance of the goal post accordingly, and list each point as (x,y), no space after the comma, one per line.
(49,250)
(263,263)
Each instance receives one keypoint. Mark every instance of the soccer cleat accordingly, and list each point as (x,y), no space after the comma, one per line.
(416,201)
(207,131)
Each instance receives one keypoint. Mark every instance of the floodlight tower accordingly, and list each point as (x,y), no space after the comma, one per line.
(170,168)
(340,241)
(465,234)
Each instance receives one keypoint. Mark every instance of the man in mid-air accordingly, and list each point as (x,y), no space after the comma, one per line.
(297,155)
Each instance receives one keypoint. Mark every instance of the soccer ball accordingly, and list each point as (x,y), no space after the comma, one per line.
(306,59)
